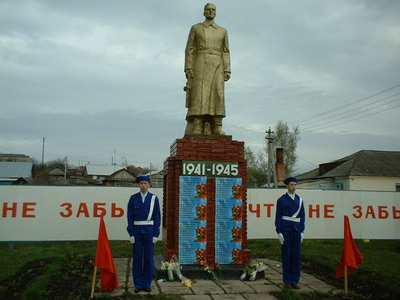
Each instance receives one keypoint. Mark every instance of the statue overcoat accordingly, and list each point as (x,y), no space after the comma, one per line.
(207,55)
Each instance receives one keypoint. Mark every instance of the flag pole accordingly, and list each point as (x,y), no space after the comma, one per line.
(93,282)
(346,290)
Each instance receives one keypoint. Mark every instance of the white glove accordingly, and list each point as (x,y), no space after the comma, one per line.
(281,238)
(301,237)
(154,240)
(132,239)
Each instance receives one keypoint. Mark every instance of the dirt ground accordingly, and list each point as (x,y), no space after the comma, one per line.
(71,282)
(365,284)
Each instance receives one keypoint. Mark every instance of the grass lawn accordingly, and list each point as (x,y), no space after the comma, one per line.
(380,271)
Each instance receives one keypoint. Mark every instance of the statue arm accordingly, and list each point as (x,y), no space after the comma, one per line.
(226,56)
(190,53)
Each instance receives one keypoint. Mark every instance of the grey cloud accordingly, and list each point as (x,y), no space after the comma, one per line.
(86,74)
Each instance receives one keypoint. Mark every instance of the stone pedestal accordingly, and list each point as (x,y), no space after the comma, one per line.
(200,150)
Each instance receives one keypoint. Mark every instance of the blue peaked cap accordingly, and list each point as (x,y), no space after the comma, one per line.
(290,179)
(142,178)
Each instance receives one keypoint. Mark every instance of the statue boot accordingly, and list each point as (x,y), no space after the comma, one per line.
(217,126)
(197,126)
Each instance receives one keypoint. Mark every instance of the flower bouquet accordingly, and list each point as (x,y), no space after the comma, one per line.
(251,270)
(174,267)
(214,270)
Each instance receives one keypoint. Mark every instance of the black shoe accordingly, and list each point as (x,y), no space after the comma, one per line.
(287,286)
(136,290)
(295,286)
(148,290)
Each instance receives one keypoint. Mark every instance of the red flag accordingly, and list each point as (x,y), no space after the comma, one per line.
(104,260)
(351,256)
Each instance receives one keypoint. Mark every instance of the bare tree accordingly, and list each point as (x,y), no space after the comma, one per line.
(256,168)
(257,164)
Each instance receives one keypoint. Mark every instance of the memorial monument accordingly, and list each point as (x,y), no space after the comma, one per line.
(207,66)
(205,195)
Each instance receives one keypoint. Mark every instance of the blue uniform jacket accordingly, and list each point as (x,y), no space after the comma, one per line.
(285,206)
(138,211)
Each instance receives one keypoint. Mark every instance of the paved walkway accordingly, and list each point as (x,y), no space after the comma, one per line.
(224,289)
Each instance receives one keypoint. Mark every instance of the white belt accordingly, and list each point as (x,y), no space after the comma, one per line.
(293,219)
(143,222)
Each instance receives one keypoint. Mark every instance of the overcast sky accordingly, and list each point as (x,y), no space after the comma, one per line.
(102,77)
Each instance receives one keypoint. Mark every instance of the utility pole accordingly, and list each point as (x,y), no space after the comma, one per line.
(271,159)
(65,167)
(114,159)
(43,152)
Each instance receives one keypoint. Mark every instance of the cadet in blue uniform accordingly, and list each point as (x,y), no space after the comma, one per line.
(289,224)
(143,228)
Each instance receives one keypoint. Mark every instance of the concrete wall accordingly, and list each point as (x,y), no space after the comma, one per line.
(36,213)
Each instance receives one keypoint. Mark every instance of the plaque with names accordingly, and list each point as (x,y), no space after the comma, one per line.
(228,220)
(192,253)
(228,253)
(192,219)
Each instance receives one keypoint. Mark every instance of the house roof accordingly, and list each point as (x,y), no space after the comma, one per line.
(14,157)
(159,173)
(361,163)
(11,169)
(121,174)
(102,170)
(56,172)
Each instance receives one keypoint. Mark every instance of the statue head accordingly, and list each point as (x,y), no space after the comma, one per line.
(210,11)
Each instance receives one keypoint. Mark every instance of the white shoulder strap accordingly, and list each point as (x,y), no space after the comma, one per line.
(298,211)
(153,199)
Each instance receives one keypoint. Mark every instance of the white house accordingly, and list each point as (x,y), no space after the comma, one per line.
(365,170)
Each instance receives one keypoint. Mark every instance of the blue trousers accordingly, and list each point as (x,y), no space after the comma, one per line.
(291,249)
(143,261)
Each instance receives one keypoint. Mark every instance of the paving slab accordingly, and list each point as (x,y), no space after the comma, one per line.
(129,283)
(316,284)
(115,293)
(196,297)
(263,287)
(154,290)
(206,287)
(228,297)
(174,287)
(304,289)
(258,297)
(322,287)
(235,287)
(256,282)
(273,276)
(271,271)
(276,281)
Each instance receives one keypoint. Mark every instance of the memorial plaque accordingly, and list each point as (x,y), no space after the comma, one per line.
(228,220)
(192,219)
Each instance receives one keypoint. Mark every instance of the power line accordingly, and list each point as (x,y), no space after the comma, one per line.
(313,130)
(306,160)
(324,122)
(296,122)
(363,107)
